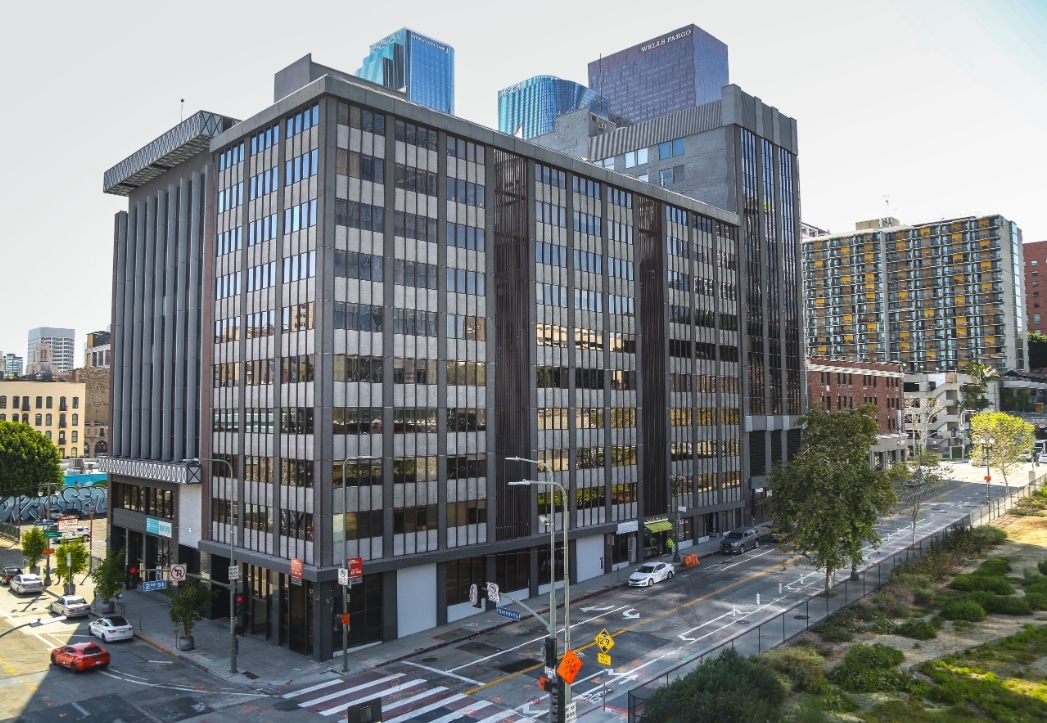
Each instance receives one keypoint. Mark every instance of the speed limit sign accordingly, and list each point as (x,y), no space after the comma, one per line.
(177,573)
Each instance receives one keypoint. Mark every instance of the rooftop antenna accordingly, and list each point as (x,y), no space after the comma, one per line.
(181,113)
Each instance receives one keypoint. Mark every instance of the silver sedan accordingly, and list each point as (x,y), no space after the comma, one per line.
(72,606)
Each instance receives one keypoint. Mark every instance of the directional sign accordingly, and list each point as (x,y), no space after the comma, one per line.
(603,658)
(343,576)
(177,573)
(569,667)
(154,585)
(509,613)
(234,573)
(52,534)
(604,641)
(492,592)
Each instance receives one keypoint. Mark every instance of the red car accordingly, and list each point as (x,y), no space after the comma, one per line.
(81,656)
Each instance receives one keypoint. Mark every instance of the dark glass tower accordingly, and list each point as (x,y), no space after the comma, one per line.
(529,108)
(412,61)
(682,69)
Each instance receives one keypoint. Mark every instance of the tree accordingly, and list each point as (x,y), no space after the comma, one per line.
(974,393)
(1037,351)
(1004,437)
(33,545)
(1015,400)
(827,499)
(917,480)
(190,604)
(72,557)
(109,575)
(29,461)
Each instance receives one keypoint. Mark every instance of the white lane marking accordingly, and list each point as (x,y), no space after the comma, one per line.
(112,675)
(426,709)
(496,717)
(442,672)
(413,698)
(319,686)
(341,705)
(80,708)
(355,688)
(15,622)
(627,616)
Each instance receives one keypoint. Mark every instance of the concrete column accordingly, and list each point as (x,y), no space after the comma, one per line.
(156,349)
(389,605)
(323,620)
(140,291)
(125,319)
(180,311)
(195,335)
(167,409)
(118,337)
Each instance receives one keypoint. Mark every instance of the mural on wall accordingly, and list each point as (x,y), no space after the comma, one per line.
(71,500)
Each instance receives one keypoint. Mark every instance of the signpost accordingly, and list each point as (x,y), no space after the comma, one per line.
(345,619)
(67,524)
(234,573)
(509,613)
(49,551)
(570,712)
(177,573)
(604,641)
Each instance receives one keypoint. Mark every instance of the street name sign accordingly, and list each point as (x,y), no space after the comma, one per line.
(154,585)
(509,613)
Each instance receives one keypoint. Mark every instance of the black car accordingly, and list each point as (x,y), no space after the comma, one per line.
(6,573)
(739,540)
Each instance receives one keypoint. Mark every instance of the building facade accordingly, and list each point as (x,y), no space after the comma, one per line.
(682,69)
(420,65)
(380,280)
(12,365)
(1034,255)
(97,349)
(934,296)
(96,409)
(55,409)
(61,343)
(529,108)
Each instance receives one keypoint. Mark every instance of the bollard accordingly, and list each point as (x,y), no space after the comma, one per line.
(779,588)
(757,599)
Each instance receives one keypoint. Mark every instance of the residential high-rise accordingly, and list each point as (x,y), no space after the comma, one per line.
(12,365)
(410,61)
(394,301)
(1034,254)
(682,69)
(934,296)
(529,108)
(62,346)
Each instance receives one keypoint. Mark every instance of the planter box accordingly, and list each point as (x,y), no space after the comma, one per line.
(186,643)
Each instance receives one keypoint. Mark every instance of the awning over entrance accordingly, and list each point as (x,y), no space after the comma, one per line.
(659,526)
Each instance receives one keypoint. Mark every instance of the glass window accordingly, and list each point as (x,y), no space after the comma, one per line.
(678,147)
(50,402)
(39,402)
(666,177)
(641,156)
(665,150)
(39,420)
(48,419)
(642,177)
(630,159)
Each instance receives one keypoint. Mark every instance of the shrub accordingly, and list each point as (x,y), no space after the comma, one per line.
(994,566)
(883,600)
(924,597)
(1042,567)
(999,604)
(916,629)
(910,581)
(1035,583)
(870,668)
(964,609)
(971,583)
(834,634)
(797,664)
(817,685)
(882,626)
(1036,600)
(901,610)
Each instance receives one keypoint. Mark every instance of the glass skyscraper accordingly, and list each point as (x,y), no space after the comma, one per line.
(529,108)
(422,66)
(682,69)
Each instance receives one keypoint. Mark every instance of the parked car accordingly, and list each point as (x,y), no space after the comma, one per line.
(1042,459)
(114,627)
(7,573)
(72,606)
(80,656)
(83,533)
(650,573)
(24,583)
(740,540)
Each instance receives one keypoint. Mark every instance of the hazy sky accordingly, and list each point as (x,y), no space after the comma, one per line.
(940,106)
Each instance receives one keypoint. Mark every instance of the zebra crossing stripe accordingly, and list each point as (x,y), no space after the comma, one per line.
(355,689)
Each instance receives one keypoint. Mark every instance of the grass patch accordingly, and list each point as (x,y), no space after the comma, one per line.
(995,567)
(801,666)
(914,711)
(964,609)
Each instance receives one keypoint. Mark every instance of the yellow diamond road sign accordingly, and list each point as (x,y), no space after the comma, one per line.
(604,641)
(603,658)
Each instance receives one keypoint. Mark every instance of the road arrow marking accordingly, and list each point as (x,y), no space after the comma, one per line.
(634,614)
(596,609)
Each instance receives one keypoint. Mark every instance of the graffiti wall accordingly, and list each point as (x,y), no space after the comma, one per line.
(82,501)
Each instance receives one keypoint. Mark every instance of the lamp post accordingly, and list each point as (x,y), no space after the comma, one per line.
(345,560)
(987,443)
(232,559)
(550,482)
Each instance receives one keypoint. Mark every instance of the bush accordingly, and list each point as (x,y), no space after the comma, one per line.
(909,581)
(964,609)
(817,685)
(870,668)
(797,664)
(916,629)
(901,610)
(834,634)
(971,583)
(882,626)
(1036,600)
(924,597)
(1042,567)
(998,604)
(994,566)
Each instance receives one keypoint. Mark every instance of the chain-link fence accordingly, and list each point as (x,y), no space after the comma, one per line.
(796,620)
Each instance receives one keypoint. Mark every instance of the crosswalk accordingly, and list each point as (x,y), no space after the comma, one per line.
(404,698)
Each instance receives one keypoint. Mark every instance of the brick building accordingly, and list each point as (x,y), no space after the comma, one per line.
(1035,255)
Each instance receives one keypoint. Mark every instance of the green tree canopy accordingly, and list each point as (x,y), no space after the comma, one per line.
(974,393)
(33,545)
(1037,351)
(29,461)
(1005,437)
(109,575)
(190,604)
(828,498)
(916,481)
(76,551)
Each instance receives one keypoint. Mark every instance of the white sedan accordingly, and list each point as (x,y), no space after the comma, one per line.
(114,627)
(21,584)
(72,606)
(650,573)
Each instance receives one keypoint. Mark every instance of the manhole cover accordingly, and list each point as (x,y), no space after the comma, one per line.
(428,660)
(743,622)
(800,617)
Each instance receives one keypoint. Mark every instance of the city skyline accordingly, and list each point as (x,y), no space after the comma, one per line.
(780,58)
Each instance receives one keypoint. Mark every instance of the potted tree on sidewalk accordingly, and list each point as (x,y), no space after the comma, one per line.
(108,577)
(189,607)
(72,560)
(33,545)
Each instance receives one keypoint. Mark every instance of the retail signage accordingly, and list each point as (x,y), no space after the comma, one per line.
(154,526)
(296,571)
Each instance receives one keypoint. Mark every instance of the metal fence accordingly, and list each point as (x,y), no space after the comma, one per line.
(798,619)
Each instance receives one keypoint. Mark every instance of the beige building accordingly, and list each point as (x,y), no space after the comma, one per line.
(95,418)
(55,409)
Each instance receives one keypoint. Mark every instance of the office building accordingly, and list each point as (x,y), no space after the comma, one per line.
(682,69)
(55,409)
(529,108)
(933,296)
(1034,270)
(377,279)
(420,66)
(96,349)
(12,365)
(61,343)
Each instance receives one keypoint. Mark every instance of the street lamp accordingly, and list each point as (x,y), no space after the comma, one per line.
(232,558)
(987,443)
(550,482)
(345,560)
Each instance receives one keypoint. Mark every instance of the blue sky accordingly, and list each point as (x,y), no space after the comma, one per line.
(937,108)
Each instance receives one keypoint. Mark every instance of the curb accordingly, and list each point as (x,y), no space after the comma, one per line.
(165,649)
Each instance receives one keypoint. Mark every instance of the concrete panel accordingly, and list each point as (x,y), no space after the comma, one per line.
(590,552)
(416,593)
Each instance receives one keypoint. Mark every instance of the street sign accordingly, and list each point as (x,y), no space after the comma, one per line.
(356,570)
(296,571)
(154,585)
(549,673)
(569,667)
(492,592)
(177,573)
(509,613)
(570,712)
(343,576)
(49,551)
(68,524)
(603,658)
(52,534)
(234,573)
(604,641)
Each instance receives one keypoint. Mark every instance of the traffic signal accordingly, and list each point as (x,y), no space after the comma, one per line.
(545,684)
(131,581)
(240,602)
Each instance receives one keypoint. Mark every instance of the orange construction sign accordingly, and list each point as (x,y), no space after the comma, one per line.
(569,667)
